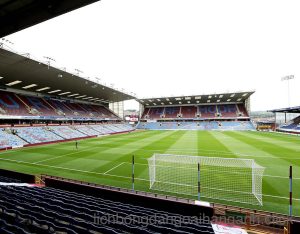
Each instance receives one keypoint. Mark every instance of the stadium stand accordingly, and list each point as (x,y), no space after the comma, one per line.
(124,127)
(77,110)
(44,209)
(66,132)
(9,180)
(37,106)
(242,110)
(102,129)
(35,135)
(12,104)
(228,111)
(60,108)
(191,112)
(13,137)
(291,126)
(8,139)
(208,112)
(155,112)
(105,113)
(87,130)
(112,127)
(201,125)
(145,114)
(171,112)
(90,110)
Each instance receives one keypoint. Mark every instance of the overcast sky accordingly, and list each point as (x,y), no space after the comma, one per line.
(178,47)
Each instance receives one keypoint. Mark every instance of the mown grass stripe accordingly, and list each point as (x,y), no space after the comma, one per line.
(237,145)
(280,155)
(293,146)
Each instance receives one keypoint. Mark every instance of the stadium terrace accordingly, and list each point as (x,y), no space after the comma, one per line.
(293,125)
(201,112)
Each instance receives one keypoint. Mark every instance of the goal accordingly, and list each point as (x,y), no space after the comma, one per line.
(228,179)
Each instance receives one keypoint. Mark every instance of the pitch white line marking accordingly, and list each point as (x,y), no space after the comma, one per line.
(175,150)
(118,176)
(60,156)
(30,147)
(48,159)
(113,168)
(71,169)
(106,173)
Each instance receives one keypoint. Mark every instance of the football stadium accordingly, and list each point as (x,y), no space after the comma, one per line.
(71,163)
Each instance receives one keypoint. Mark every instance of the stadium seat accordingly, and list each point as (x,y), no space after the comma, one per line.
(11,105)
(29,209)
(201,125)
(188,112)
(20,136)
(291,126)
(87,130)
(47,108)
(7,139)
(35,135)
(171,112)
(223,111)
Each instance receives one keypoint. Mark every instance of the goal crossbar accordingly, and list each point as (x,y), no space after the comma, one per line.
(229,179)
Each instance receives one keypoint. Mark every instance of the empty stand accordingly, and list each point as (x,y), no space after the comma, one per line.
(76,109)
(90,110)
(8,139)
(146,113)
(242,110)
(156,112)
(188,111)
(35,135)
(102,129)
(44,210)
(61,109)
(292,126)
(20,136)
(67,132)
(220,111)
(227,111)
(172,112)
(201,125)
(37,106)
(11,105)
(87,130)
(207,112)
(21,105)
(104,112)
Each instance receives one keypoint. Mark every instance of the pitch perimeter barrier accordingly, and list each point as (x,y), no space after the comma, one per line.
(145,199)
(252,219)
(24,178)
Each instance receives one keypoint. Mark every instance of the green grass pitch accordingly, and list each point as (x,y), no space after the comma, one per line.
(107,160)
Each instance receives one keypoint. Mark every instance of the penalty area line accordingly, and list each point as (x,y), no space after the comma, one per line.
(63,155)
(120,164)
(71,169)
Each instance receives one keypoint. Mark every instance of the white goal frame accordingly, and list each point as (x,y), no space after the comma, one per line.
(228,179)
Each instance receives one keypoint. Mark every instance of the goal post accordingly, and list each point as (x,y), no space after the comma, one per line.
(228,179)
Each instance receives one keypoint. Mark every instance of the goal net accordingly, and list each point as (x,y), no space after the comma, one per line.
(229,179)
